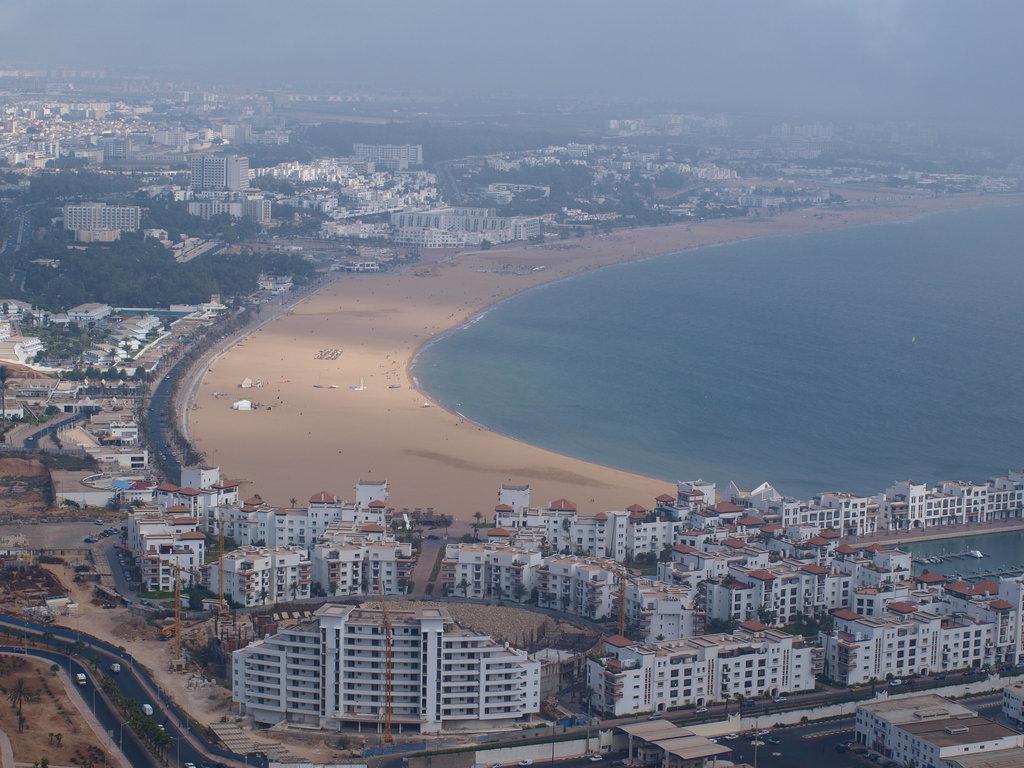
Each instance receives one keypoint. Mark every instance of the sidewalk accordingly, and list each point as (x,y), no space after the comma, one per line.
(938,532)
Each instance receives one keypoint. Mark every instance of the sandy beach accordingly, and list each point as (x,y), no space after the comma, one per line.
(314,432)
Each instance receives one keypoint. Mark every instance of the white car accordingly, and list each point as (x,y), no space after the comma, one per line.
(595,758)
(525,763)
(730,737)
(701,710)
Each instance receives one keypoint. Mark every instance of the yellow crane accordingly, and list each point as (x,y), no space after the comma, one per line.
(220,568)
(386,736)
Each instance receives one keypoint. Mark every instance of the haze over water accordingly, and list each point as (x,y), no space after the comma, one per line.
(837,360)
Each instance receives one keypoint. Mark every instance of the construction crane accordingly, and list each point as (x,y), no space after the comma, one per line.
(220,567)
(386,736)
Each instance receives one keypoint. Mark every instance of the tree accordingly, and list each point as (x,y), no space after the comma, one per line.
(3,391)
(464,586)
(18,695)
(478,515)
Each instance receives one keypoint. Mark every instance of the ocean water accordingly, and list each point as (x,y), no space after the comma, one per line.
(1001,551)
(827,361)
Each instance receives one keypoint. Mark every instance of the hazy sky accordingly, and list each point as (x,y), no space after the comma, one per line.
(869,58)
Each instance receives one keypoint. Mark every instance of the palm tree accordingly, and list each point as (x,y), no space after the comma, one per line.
(293,501)
(478,516)
(464,586)
(18,695)
(3,391)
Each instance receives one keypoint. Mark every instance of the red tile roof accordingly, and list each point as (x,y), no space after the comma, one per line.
(503,532)
(752,625)
(503,508)
(1000,605)
(762,575)
(371,528)
(323,498)
(749,521)
(734,543)
(725,507)
(685,549)
(664,498)
(845,614)
(930,577)
(562,505)
(846,549)
(828,533)
(635,508)
(817,570)
(618,641)
(376,504)
(192,535)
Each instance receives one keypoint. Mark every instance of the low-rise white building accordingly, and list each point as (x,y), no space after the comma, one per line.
(262,575)
(629,678)
(932,732)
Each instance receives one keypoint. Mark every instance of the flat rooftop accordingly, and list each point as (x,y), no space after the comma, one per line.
(957,731)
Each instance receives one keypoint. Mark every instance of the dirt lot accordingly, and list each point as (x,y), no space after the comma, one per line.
(523,629)
(20,587)
(48,713)
(24,488)
(118,626)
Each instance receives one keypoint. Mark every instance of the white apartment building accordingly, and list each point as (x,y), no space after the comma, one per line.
(905,641)
(219,173)
(254,208)
(262,575)
(490,570)
(360,559)
(327,673)
(630,678)
(584,586)
(1013,702)
(776,595)
(100,217)
(167,546)
(255,522)
(479,221)
(393,157)
(656,611)
(929,731)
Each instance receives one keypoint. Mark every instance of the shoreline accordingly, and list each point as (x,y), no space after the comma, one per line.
(486,284)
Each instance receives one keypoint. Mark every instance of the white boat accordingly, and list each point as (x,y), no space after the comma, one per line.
(976,553)
(358,387)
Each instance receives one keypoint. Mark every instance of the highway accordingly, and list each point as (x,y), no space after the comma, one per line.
(129,744)
(134,682)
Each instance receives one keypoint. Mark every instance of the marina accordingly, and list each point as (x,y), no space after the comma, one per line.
(990,556)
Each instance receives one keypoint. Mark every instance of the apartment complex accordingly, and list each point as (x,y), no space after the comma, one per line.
(392,157)
(932,732)
(490,570)
(167,546)
(327,673)
(252,208)
(262,575)
(219,173)
(629,678)
(361,559)
(100,217)
(461,226)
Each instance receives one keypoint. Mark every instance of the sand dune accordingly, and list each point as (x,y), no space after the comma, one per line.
(311,437)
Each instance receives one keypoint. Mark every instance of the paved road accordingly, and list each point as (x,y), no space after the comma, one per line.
(135,683)
(109,718)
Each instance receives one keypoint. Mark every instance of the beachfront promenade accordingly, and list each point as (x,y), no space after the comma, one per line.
(939,532)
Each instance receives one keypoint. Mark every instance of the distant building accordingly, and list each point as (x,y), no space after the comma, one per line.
(450,227)
(392,157)
(115,147)
(219,173)
(90,221)
(254,209)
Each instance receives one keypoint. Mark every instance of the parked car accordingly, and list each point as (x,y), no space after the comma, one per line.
(80,679)
(115,667)
(701,710)
(896,682)
(595,758)
(147,709)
